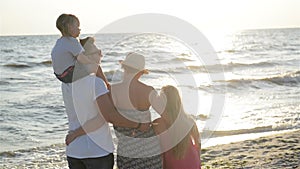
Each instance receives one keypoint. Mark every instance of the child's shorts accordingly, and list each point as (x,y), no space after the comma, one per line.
(71,74)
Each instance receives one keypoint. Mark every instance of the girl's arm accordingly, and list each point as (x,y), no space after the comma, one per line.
(160,127)
(196,136)
(88,59)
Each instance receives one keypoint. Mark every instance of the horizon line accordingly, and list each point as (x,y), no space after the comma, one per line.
(246,29)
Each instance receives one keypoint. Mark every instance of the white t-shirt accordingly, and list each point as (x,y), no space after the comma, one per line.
(83,93)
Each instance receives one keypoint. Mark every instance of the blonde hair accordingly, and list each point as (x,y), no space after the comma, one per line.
(63,22)
(88,44)
(174,108)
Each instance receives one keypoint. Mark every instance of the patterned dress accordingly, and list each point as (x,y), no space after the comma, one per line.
(136,149)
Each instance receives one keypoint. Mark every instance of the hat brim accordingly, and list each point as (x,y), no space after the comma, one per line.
(145,71)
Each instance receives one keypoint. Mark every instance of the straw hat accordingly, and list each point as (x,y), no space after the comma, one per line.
(135,61)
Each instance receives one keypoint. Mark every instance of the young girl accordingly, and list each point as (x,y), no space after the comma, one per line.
(67,51)
(181,141)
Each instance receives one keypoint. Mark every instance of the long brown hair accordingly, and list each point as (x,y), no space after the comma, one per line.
(174,109)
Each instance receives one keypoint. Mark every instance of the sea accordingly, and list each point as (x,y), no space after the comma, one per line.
(259,91)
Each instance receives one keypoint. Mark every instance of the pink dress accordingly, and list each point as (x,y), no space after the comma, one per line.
(191,160)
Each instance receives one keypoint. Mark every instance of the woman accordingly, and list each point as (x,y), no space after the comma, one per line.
(136,149)
(181,141)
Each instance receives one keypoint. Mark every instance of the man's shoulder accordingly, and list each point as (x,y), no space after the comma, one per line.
(88,79)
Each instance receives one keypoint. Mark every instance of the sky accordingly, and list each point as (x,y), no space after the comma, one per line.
(38,17)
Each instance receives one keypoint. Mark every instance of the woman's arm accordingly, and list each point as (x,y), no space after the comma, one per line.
(99,73)
(158,102)
(89,126)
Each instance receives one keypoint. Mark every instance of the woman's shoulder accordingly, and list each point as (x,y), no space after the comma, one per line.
(145,87)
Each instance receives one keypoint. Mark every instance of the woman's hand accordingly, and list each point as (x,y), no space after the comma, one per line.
(144,127)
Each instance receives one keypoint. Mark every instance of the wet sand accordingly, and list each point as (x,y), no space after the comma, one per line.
(275,151)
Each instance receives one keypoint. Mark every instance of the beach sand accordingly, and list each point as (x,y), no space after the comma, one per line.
(270,152)
(275,151)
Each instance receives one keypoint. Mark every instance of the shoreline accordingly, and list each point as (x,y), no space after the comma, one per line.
(275,150)
(281,150)
(227,139)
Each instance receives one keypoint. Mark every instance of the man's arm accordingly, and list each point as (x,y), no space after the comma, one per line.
(111,115)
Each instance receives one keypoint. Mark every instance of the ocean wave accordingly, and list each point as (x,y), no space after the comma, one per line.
(286,79)
(52,156)
(8,154)
(182,59)
(229,51)
(47,62)
(227,67)
(290,79)
(28,64)
(232,65)
(114,54)
(17,65)
(4,83)
(7,50)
